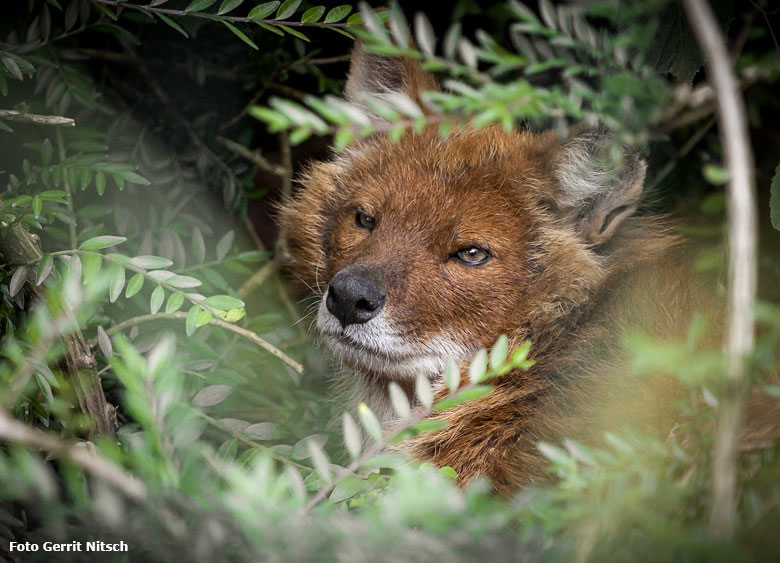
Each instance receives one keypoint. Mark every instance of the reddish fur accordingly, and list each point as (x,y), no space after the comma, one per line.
(545,283)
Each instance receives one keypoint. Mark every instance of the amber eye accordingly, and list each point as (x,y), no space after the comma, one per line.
(364,220)
(472,256)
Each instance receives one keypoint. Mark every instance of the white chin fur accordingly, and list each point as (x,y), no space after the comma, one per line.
(377,347)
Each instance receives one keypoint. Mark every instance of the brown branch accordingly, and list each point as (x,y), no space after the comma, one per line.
(16,115)
(252,156)
(249,335)
(741,207)
(256,280)
(15,432)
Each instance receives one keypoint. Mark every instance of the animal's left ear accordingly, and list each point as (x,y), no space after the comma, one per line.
(599,184)
(374,75)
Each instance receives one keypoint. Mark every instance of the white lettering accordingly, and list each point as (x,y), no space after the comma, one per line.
(26,546)
(103,546)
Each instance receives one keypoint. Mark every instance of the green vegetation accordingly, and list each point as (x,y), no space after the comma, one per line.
(156,386)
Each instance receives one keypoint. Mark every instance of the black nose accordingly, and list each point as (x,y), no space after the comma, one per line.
(355,297)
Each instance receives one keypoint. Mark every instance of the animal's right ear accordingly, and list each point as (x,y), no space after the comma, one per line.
(599,184)
(374,75)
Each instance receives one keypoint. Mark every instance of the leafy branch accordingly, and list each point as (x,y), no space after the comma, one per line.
(279,24)
(247,334)
(482,368)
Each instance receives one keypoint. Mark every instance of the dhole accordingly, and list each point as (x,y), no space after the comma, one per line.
(430,248)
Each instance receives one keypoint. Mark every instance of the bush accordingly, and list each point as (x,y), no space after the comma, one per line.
(158,386)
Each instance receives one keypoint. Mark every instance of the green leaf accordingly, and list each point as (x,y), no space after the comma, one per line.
(241,35)
(223,302)
(294,32)
(287,9)
(321,464)
(37,206)
(183,282)
(253,256)
(263,10)
(100,182)
(173,24)
(499,351)
(204,318)
(277,32)
(452,375)
(313,15)
(211,395)
(423,32)
(423,390)
(104,342)
(85,178)
(774,199)
(198,5)
(338,13)
(12,67)
(715,174)
(91,264)
(429,425)
(117,283)
(478,367)
(191,324)
(175,301)
(464,396)
(370,422)
(348,487)
(198,244)
(299,135)
(149,262)
(228,5)
(44,269)
(399,400)
(355,19)
(224,245)
(156,301)
(134,285)
(352,438)
(104,241)
(448,472)
(17,280)
(47,151)
(134,178)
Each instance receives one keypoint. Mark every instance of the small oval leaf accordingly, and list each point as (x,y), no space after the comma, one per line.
(211,395)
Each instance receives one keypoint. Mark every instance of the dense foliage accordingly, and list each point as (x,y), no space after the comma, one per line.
(157,383)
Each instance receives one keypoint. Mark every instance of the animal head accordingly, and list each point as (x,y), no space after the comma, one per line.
(428,248)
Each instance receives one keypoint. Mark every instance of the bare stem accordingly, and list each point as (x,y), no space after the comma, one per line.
(16,115)
(741,207)
(15,432)
(249,335)
(252,156)
(69,196)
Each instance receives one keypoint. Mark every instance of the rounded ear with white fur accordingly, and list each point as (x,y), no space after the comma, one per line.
(376,76)
(599,184)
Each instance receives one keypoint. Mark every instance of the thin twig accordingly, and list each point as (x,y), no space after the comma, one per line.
(16,115)
(251,443)
(252,156)
(68,194)
(256,280)
(741,207)
(287,164)
(330,60)
(15,432)
(249,335)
